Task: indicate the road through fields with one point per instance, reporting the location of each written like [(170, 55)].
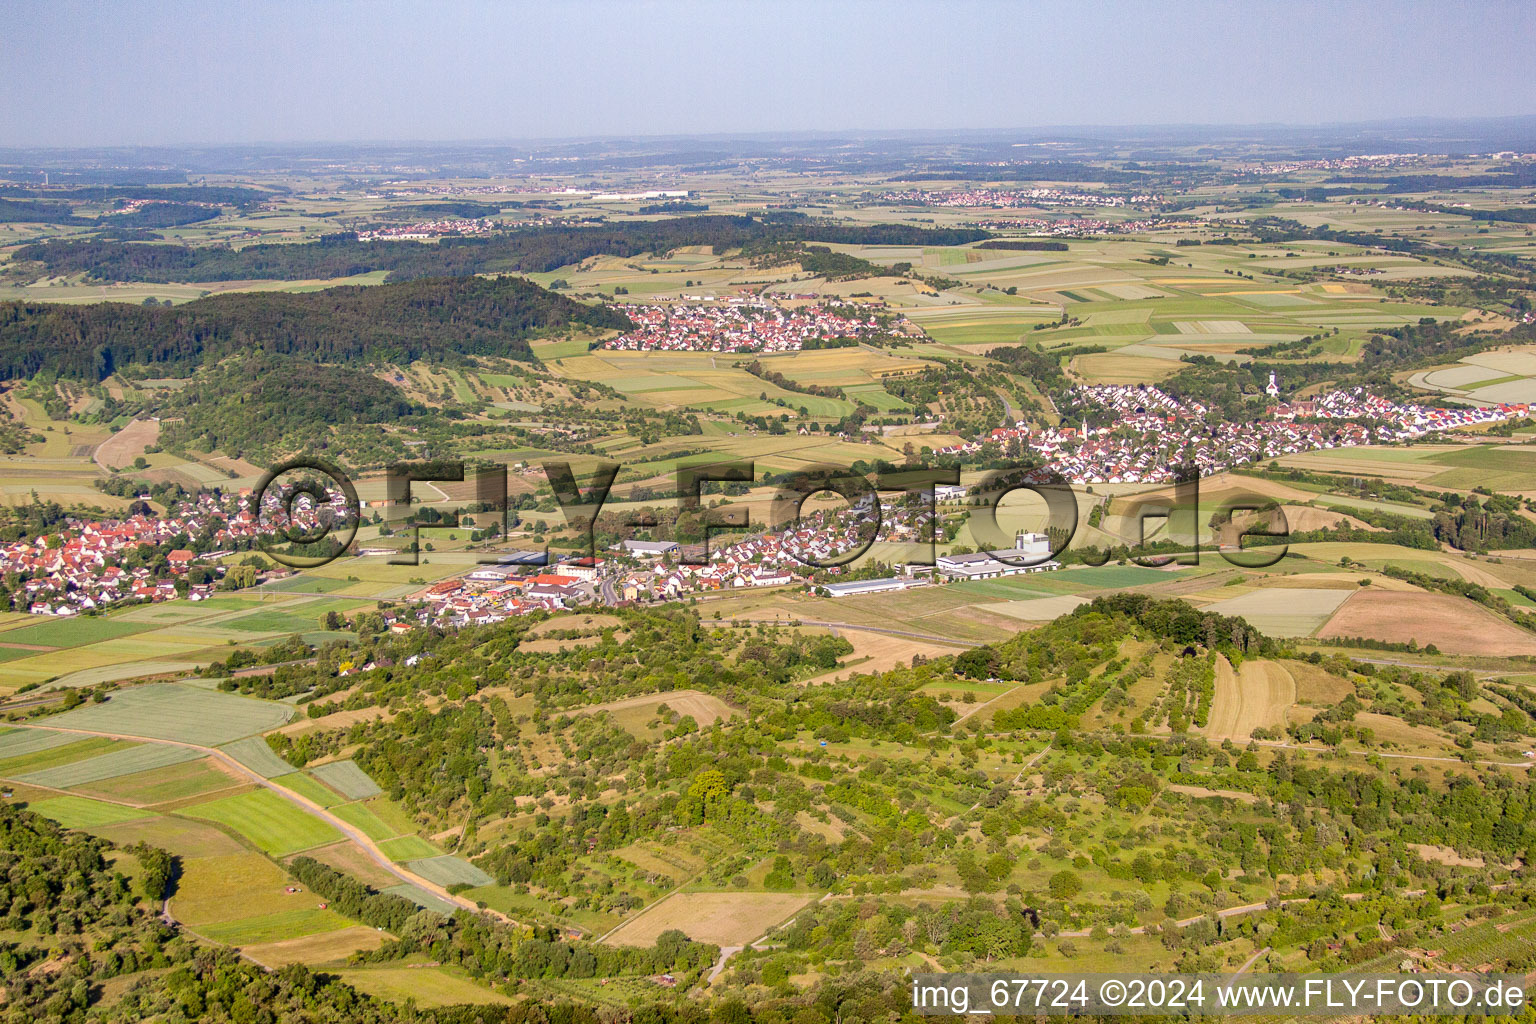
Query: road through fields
[(367, 845)]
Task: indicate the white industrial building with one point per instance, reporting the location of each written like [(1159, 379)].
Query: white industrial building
[(1033, 548)]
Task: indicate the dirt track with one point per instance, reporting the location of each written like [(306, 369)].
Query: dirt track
[(367, 845)]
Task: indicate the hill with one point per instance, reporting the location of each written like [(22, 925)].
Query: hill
[(527, 251), (431, 318)]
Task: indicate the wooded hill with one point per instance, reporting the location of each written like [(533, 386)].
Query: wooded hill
[(400, 323), (265, 405), (527, 251)]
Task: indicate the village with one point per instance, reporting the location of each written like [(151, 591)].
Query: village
[(1145, 437), (426, 229), (1013, 198), (1149, 434), (739, 324)]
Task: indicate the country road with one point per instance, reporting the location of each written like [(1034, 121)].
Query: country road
[(362, 841)]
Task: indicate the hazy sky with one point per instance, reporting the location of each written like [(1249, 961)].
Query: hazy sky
[(123, 72)]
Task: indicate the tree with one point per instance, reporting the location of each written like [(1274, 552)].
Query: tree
[(1064, 885)]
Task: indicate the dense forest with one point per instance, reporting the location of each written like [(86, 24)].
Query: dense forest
[(421, 319), (264, 405), (527, 251)]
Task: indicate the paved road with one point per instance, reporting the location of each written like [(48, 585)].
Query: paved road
[(362, 841)]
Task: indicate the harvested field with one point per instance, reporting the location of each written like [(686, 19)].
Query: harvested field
[(1453, 624), (1287, 612), (633, 713), (1315, 685), (1040, 609), (724, 918), (1257, 695), (119, 450), (877, 652), (325, 947)]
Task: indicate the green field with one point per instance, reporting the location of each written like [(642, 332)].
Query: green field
[(346, 778), (130, 761), (408, 848), (449, 870), (285, 924), (307, 787), (185, 714), (20, 742), (79, 812), (272, 824), (360, 817), (255, 754), (427, 987), (74, 632), (422, 898)]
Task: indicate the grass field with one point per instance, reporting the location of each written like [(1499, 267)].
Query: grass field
[(359, 816), (19, 743), (168, 711), (79, 812), (127, 761), (74, 632), (448, 870), (428, 987), (347, 779), (408, 848), (162, 785), (633, 714), (320, 948), (305, 786), (255, 754), (271, 823), (422, 898)]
